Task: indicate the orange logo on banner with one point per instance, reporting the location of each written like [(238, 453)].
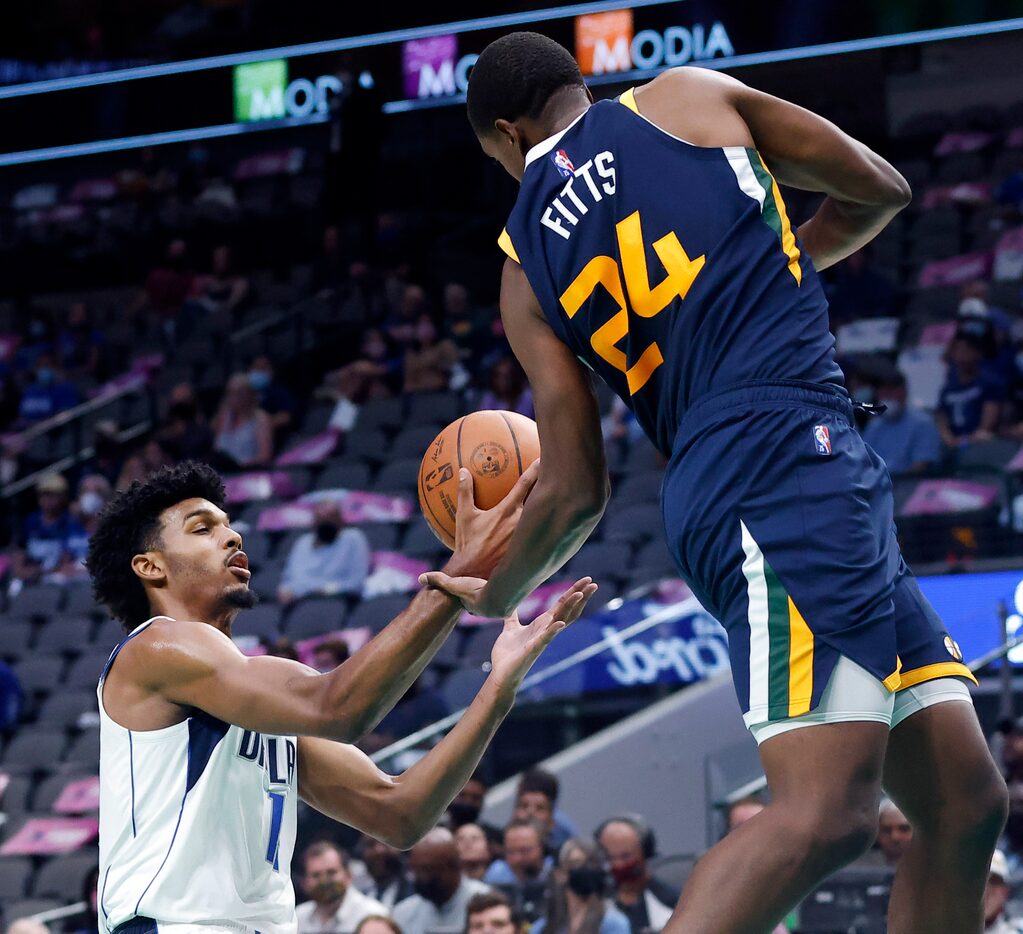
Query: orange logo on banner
[(603, 42)]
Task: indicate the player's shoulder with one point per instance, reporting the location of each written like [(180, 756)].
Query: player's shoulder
[(689, 78), (167, 646)]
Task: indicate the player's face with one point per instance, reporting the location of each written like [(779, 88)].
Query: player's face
[(203, 554), (503, 147)]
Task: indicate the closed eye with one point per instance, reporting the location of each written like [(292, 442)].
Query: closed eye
[(201, 528)]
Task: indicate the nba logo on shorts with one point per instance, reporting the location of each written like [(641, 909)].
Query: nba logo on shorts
[(822, 438), (563, 163)]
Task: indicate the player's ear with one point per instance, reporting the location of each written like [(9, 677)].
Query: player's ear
[(148, 567), (508, 132)]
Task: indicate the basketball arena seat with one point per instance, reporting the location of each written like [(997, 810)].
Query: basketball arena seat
[(84, 749), (420, 542), (62, 709), (460, 687), (398, 476), (377, 612), (370, 445), (263, 621), (315, 615), (601, 560), (436, 409), (411, 443), (342, 475), (85, 671), (63, 875), (63, 633), (34, 748), (15, 873), (36, 601), (39, 673), (17, 636)]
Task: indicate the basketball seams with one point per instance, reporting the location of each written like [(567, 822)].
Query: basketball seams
[(515, 441), (458, 441), (424, 503)]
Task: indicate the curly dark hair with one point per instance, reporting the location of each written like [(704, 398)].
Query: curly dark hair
[(130, 524)]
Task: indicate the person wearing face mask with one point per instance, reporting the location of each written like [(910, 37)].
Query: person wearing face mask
[(329, 560), (442, 895), (274, 399), (429, 362), (646, 901), (578, 902), (335, 906), (906, 439), (93, 492), (47, 394)]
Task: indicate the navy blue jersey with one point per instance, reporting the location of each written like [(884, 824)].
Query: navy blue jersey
[(671, 270)]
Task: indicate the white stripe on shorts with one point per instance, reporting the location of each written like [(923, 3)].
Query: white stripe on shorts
[(759, 633)]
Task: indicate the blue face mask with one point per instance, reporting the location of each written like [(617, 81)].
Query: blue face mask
[(259, 380), (44, 375)]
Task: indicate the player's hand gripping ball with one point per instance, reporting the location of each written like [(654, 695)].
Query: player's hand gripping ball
[(495, 446)]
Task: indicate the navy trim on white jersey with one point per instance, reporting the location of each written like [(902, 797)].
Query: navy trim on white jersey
[(131, 770)]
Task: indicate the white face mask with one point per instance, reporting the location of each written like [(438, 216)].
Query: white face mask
[(90, 502)]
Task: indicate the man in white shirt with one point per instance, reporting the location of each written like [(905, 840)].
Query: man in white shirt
[(443, 892), (996, 896), (335, 906)]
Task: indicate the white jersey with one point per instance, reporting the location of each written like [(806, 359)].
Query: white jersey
[(197, 824)]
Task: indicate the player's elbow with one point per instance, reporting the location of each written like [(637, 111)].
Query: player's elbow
[(891, 190)]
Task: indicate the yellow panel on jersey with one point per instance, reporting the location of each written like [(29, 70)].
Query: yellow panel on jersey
[(628, 98), (504, 242), (800, 663)]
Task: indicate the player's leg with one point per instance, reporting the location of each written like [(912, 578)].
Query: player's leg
[(825, 783), (940, 773)]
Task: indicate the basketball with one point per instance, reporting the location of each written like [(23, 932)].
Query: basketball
[(496, 447)]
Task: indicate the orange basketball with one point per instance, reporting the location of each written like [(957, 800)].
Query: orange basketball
[(496, 447)]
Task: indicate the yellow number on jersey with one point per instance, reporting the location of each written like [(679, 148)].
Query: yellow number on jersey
[(680, 272)]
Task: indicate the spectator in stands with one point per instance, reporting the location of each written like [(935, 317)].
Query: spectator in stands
[(646, 901), (330, 654), (167, 288), (490, 913), (47, 394), (375, 374), (275, 399), (282, 647), (10, 460), (12, 700), (536, 798), (429, 362), (37, 337), (108, 454), (894, 832), (996, 898), (509, 389), (53, 544), (377, 924), (524, 860), (331, 559), (243, 432), (330, 269), (153, 455), (577, 902), (79, 343), (27, 926), (186, 433), (385, 866), (217, 201), (401, 325), (442, 891), (467, 327), (223, 291), (969, 407), (335, 905), (906, 439), (473, 850), (93, 493), (468, 803), (858, 291)]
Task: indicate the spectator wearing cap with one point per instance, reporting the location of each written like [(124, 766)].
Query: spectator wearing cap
[(907, 440), (996, 898), (524, 859), (645, 900), (578, 902), (536, 799), (53, 543), (490, 913), (442, 890), (335, 906), (331, 559), (970, 404)]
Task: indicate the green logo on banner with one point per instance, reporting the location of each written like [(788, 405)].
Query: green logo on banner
[(259, 90)]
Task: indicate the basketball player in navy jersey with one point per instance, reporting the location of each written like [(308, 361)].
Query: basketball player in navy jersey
[(204, 751), (650, 244)]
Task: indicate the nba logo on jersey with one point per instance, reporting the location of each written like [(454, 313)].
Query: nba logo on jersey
[(822, 438), (563, 164)]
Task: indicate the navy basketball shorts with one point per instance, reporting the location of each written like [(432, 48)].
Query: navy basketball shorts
[(781, 519)]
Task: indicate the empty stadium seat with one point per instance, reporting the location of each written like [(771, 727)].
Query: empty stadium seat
[(84, 749), (638, 524), (420, 542), (263, 621), (399, 476), (377, 612), (601, 560), (460, 687), (64, 634), (35, 748), (366, 445), (85, 671), (80, 602), (63, 876), (28, 906), (39, 673), (15, 638), (15, 800), (344, 476), (40, 601), (382, 536), (63, 708), (15, 872), (380, 413), (316, 615), (435, 408), (413, 441)]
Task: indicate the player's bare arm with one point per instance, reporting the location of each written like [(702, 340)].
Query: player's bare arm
[(176, 665), (572, 488), (343, 783), (802, 150)]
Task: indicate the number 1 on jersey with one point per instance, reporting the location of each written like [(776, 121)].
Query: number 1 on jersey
[(647, 302), (276, 819)]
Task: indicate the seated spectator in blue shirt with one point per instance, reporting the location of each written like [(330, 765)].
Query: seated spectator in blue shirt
[(329, 560), (905, 438), (12, 699), (47, 394), (524, 859), (52, 541), (276, 400), (579, 895), (536, 799), (970, 404)]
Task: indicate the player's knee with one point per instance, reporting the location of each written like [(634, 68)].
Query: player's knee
[(833, 837), (988, 807)]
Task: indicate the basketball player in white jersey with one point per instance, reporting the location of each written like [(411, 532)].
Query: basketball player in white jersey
[(204, 751)]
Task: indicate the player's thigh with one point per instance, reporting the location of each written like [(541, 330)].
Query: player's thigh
[(939, 769)]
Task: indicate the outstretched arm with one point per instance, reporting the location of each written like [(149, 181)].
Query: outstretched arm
[(195, 665), (572, 487), (343, 783)]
